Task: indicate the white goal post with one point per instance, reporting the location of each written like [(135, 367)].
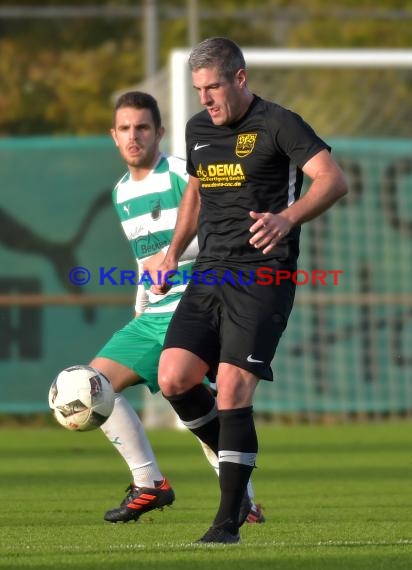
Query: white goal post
[(180, 99)]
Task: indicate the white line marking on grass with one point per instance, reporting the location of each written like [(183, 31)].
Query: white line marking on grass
[(179, 546), (284, 544)]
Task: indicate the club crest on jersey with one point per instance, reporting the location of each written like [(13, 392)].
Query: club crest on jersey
[(156, 209), (245, 144)]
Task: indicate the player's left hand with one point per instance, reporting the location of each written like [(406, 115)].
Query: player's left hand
[(268, 230)]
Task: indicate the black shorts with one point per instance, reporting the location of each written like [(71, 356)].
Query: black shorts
[(231, 322)]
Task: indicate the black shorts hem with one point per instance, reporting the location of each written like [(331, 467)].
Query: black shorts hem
[(261, 372)]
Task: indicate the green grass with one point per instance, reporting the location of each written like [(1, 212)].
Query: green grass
[(337, 497)]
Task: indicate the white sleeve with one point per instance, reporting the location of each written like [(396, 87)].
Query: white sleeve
[(189, 253), (142, 300)]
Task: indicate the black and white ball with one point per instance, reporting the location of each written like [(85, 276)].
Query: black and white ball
[(81, 398)]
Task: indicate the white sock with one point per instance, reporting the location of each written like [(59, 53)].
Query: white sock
[(214, 462), (250, 491), (125, 431)]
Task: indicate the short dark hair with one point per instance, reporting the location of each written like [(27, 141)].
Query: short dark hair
[(140, 100), (222, 53)]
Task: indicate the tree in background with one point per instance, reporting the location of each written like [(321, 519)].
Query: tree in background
[(57, 75)]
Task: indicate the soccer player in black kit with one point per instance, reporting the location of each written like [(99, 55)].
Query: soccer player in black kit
[(246, 158)]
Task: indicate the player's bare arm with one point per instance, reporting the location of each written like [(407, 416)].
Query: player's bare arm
[(328, 185), (184, 232)]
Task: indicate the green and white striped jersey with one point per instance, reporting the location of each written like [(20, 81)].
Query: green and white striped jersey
[(148, 210)]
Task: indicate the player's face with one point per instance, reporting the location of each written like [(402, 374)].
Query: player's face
[(137, 138), (225, 101)]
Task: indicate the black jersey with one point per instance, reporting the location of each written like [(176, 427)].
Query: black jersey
[(253, 164)]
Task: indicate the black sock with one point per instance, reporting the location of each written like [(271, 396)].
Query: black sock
[(238, 447), (197, 410)]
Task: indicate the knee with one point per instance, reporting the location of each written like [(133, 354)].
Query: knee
[(171, 380), (167, 375), (236, 387), (119, 375), (178, 372), (165, 382)]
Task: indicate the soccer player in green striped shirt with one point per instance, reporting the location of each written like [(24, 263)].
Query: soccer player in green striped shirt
[(146, 200)]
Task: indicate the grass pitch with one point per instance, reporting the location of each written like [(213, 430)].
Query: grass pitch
[(335, 498)]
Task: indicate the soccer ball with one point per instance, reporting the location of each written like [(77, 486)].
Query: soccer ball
[(81, 398)]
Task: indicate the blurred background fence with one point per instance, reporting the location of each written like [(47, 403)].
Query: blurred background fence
[(347, 349)]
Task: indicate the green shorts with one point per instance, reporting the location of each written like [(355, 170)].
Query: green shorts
[(138, 346)]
